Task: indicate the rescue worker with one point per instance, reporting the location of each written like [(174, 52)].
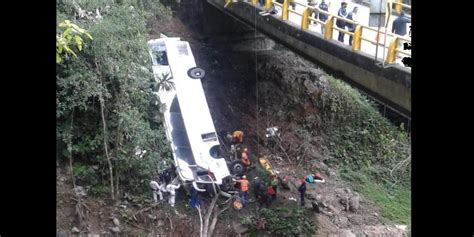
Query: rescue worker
[(256, 187), (238, 136), (340, 23), (245, 158), (156, 189), (302, 190), (172, 190), (262, 195), (274, 183), (271, 194), (244, 188)]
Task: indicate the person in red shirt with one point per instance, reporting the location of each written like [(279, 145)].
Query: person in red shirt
[(271, 195)]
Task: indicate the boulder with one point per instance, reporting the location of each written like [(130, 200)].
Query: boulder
[(354, 203)]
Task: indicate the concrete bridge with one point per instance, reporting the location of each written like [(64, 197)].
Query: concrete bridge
[(361, 65)]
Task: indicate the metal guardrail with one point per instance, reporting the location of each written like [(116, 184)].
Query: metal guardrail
[(328, 25)]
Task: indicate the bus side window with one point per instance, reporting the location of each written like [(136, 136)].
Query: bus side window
[(162, 58)]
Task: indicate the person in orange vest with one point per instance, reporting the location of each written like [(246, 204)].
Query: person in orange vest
[(245, 157), (238, 136), (244, 188)]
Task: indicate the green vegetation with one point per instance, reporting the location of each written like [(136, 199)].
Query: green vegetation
[(372, 153), (291, 220), (107, 124), (69, 39), (395, 202)]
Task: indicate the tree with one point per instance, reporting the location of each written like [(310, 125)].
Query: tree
[(100, 90), (69, 39)]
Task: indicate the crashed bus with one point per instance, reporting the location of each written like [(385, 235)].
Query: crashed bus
[(188, 123)]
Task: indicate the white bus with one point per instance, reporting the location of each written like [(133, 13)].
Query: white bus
[(188, 122)]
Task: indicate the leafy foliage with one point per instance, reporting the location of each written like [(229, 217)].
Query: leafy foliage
[(371, 153), (395, 202), (68, 39), (112, 69), (357, 136), (291, 220)]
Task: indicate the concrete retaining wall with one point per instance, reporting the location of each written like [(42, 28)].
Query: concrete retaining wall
[(390, 85)]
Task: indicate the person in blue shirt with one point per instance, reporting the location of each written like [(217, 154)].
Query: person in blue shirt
[(340, 23), (399, 26), (323, 17)]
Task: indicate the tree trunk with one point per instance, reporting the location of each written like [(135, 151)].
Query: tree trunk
[(112, 192), (208, 215), (69, 148), (117, 149), (214, 220), (104, 129), (117, 193)]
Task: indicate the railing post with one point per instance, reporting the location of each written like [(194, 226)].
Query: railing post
[(304, 19), (254, 2), (285, 13), (398, 7), (357, 38), (391, 54), (328, 28), (268, 4)]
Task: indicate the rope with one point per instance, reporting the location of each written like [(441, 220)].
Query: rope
[(256, 77)]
